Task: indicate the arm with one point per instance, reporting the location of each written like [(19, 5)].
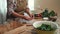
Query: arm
[(18, 15), (21, 16), (27, 11)]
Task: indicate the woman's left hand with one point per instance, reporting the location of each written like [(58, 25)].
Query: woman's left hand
[(32, 16)]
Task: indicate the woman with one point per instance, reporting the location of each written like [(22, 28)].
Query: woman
[(14, 7)]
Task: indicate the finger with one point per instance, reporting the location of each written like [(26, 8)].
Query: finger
[(30, 19)]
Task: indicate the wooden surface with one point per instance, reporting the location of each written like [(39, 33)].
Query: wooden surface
[(9, 26), (25, 29), (17, 28)]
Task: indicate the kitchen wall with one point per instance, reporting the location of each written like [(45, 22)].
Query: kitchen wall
[(50, 4)]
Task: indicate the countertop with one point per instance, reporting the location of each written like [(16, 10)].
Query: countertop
[(26, 29), (21, 30)]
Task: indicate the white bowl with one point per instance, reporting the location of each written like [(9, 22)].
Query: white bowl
[(39, 23)]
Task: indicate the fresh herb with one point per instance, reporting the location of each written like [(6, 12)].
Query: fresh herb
[(52, 13), (45, 27), (45, 13)]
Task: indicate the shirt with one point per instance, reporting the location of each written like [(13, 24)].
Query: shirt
[(11, 5)]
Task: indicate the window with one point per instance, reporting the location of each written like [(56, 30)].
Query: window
[(31, 4)]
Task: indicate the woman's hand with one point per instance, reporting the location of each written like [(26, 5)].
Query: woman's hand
[(32, 16), (28, 18)]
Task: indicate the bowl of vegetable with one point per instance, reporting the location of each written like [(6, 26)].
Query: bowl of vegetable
[(45, 27)]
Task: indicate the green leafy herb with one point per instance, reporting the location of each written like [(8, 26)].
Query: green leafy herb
[(52, 13), (45, 13), (45, 27)]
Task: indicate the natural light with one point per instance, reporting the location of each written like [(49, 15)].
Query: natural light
[(31, 4)]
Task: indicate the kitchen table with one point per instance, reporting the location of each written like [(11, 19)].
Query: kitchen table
[(25, 29)]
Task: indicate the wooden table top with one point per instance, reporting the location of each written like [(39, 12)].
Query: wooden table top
[(25, 29)]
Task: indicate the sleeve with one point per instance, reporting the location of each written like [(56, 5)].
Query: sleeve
[(10, 7), (10, 11)]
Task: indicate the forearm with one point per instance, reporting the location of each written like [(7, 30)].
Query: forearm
[(17, 15), (27, 11)]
